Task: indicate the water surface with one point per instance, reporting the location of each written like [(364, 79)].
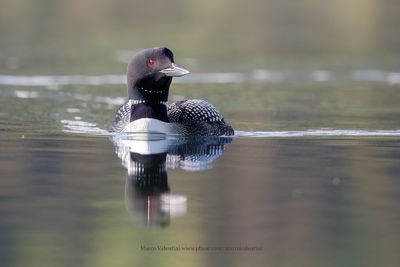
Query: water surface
[(292, 192)]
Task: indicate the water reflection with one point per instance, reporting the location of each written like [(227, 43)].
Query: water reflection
[(147, 158)]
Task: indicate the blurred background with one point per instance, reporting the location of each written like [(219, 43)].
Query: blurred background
[(75, 37)]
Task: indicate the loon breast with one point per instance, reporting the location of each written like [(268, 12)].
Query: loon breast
[(149, 125), (140, 117)]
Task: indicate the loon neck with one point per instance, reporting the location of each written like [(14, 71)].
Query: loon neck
[(137, 101), (148, 95)]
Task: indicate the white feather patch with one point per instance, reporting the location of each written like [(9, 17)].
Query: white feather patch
[(148, 125)]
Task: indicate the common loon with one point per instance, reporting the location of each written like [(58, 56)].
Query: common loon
[(149, 76)]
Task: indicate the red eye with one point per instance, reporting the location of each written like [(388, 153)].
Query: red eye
[(151, 63)]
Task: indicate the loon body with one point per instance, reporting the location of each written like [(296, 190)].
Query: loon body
[(149, 76)]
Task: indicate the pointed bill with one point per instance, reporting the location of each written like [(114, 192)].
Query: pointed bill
[(174, 71)]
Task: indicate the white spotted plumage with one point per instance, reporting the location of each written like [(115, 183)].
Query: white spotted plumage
[(189, 117)]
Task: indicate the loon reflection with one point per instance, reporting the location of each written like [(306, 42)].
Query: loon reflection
[(147, 158)]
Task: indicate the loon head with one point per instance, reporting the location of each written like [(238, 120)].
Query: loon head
[(150, 73)]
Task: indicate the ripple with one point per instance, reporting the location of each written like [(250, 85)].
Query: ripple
[(52, 81), (82, 127), (26, 94), (73, 110), (255, 76), (318, 133)]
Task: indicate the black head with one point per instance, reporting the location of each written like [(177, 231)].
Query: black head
[(150, 73)]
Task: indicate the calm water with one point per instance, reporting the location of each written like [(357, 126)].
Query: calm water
[(295, 194), (312, 177)]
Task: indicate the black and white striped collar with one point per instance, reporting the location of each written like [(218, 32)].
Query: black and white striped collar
[(136, 101)]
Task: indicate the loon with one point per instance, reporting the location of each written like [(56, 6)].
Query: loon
[(149, 76)]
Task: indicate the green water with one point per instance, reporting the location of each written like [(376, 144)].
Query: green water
[(280, 197)]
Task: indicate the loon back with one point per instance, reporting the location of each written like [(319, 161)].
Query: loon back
[(198, 117)]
